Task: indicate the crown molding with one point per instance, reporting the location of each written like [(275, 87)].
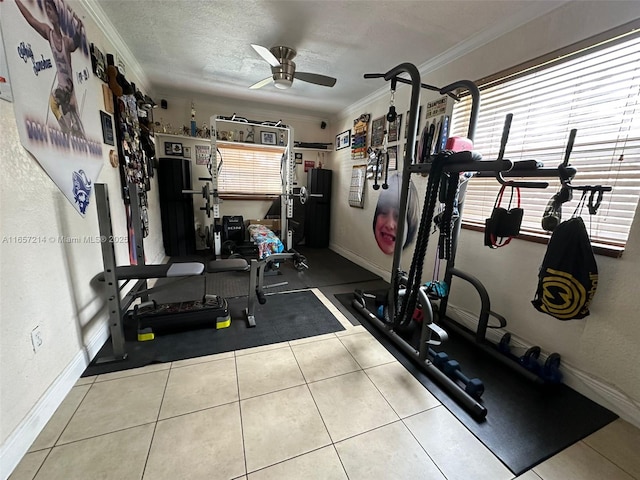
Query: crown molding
[(102, 21), (531, 12)]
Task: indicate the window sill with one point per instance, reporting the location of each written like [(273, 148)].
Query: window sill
[(613, 251)]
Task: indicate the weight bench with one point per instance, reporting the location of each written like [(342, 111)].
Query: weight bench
[(150, 314)]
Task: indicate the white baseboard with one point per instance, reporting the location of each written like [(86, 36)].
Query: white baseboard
[(18, 443), (362, 262), (593, 388)]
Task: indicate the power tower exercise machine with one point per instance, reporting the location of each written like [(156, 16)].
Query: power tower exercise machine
[(406, 291), (407, 294)]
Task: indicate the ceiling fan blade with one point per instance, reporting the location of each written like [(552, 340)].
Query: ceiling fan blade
[(315, 78), (261, 83), (266, 54)]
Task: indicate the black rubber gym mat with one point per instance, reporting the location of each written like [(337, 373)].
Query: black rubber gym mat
[(285, 317), (526, 422), (326, 267)]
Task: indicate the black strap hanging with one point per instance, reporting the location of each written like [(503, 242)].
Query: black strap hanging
[(580, 206), (504, 223), (594, 201)]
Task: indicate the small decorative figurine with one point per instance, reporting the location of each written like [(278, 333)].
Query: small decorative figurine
[(250, 133), (193, 119)]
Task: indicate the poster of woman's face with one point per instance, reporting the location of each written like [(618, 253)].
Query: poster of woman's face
[(387, 216)]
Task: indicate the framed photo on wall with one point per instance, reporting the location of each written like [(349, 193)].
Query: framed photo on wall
[(172, 148), (393, 157), (107, 128), (343, 140), (186, 152), (377, 131), (309, 164), (203, 152), (394, 128), (268, 138)]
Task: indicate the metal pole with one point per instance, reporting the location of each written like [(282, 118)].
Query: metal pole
[(111, 281)]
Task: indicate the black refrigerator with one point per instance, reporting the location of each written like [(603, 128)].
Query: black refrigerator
[(176, 208), (318, 215)]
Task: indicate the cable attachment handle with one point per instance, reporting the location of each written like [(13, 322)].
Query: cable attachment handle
[(392, 115)]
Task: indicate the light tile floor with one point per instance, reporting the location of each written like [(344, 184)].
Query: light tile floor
[(336, 406)]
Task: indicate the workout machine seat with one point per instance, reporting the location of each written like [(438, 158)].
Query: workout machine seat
[(228, 265)]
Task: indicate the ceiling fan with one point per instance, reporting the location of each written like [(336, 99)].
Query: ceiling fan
[(283, 69)]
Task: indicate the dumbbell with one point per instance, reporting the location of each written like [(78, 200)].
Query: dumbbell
[(503, 346), (551, 369), (438, 358), (530, 360), (473, 386)]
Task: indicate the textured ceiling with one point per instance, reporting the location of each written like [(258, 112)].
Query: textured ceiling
[(204, 47)]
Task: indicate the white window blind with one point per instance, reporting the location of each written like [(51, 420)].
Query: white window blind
[(249, 169), (597, 92)]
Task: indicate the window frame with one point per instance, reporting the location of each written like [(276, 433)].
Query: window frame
[(274, 156), (591, 45)]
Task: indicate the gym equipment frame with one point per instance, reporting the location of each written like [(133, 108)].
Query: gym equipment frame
[(400, 288), (287, 170), (408, 291), (113, 274)]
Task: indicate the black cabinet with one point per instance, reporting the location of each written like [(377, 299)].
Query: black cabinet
[(317, 222), (176, 208)]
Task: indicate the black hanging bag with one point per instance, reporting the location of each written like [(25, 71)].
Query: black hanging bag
[(504, 223), (568, 277)]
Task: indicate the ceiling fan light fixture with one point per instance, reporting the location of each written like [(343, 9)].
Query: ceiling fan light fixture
[(283, 69), (282, 83)]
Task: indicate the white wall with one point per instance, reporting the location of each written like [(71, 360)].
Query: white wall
[(600, 354), (48, 284)]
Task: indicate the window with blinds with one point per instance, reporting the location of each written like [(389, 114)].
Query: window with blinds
[(596, 91), (249, 170)]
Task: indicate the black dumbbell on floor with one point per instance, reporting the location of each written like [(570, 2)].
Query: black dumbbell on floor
[(551, 370), (473, 386), (530, 360), (439, 358)]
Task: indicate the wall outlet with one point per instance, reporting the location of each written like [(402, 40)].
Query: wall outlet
[(36, 338)]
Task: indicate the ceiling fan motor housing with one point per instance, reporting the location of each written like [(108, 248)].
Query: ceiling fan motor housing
[(283, 53), (283, 73)]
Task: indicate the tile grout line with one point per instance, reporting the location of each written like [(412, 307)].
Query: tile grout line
[(606, 458), (155, 424), (244, 447)]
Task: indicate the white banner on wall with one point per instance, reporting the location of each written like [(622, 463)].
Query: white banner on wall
[(5, 83), (55, 93)]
